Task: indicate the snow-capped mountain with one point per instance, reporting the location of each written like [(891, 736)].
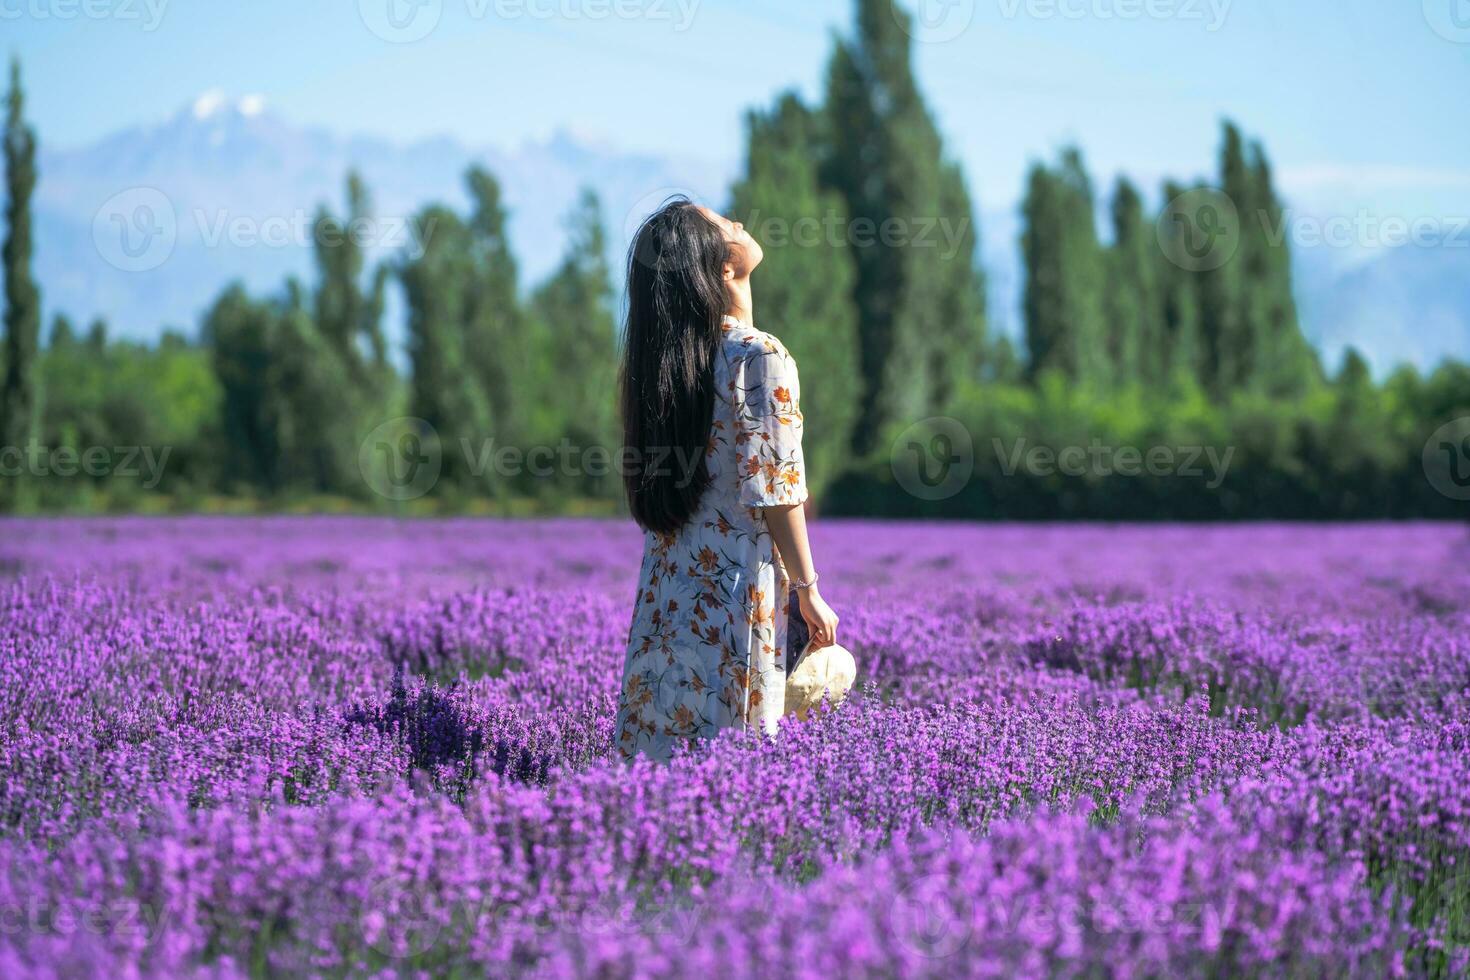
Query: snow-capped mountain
[(147, 225)]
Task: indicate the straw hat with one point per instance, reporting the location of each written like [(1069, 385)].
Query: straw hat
[(828, 671)]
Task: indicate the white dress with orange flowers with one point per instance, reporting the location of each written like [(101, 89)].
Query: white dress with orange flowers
[(709, 621)]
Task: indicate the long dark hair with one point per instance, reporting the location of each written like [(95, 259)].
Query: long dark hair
[(676, 300)]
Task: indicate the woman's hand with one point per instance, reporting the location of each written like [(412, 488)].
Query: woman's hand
[(820, 618)]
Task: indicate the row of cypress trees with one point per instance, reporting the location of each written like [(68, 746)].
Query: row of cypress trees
[(1138, 310)]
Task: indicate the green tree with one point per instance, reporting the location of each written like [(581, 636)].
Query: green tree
[(1135, 308), (320, 415), (240, 332), (1179, 301), (886, 162), (1063, 299), (1287, 364), (97, 334), (63, 334), (497, 340), (1248, 317), (445, 388), (1226, 326), (283, 387), (344, 320), (349, 317), (806, 281), (19, 399), (960, 347), (577, 361)]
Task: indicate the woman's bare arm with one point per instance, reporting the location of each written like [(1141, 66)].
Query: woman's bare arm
[(788, 530), (787, 525)]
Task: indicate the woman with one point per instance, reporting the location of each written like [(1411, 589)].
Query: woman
[(714, 475)]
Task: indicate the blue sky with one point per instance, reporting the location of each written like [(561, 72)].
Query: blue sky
[(1358, 101)]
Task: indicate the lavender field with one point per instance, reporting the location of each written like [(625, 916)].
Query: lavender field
[(334, 747)]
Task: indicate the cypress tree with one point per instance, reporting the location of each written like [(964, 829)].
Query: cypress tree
[(313, 381), (961, 344), (1227, 328), (18, 395), (574, 317), (1048, 343), (1063, 299), (806, 282), (496, 340), (63, 333), (345, 324), (240, 335), (1179, 300), (1248, 319), (97, 335), (1135, 307), (282, 387), (445, 389), (348, 317), (1288, 362), (885, 162)]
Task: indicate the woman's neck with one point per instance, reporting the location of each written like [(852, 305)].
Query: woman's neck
[(740, 302)]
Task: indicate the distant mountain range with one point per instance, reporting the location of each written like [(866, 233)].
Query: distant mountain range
[(147, 225)]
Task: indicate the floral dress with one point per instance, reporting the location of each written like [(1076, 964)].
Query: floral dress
[(704, 649)]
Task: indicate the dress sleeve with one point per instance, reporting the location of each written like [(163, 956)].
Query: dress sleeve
[(772, 468)]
